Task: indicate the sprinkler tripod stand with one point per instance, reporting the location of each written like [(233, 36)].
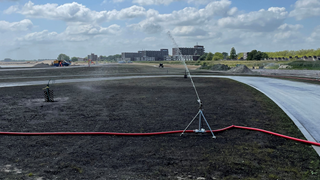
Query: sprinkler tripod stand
[(200, 113), (200, 130)]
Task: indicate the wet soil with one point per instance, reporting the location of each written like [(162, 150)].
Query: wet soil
[(148, 105)]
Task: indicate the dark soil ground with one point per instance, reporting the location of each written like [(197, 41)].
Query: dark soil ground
[(149, 105)]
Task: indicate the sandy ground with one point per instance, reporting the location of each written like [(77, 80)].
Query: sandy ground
[(23, 64)]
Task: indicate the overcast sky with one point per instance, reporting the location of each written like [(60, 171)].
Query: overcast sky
[(42, 29)]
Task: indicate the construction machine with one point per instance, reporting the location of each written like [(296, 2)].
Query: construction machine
[(60, 63)]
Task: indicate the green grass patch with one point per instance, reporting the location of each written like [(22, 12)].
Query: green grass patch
[(307, 65), (245, 62)]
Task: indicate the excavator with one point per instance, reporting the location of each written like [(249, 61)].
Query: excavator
[(60, 63)]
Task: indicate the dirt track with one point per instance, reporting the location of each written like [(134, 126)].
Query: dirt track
[(147, 105)]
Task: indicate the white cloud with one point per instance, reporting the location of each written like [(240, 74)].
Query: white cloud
[(262, 20), (290, 27), (167, 2), (114, 1), (315, 35), (190, 15), (199, 1), (117, 1), (188, 31), (217, 22), (151, 27), (289, 33), (74, 12), (89, 29), (75, 32), (153, 2), (23, 25), (149, 39), (306, 8), (232, 11), (146, 26), (40, 36)]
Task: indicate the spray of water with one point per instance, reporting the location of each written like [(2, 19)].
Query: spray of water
[(185, 65)]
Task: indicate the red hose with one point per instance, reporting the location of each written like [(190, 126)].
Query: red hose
[(280, 135), (154, 133)]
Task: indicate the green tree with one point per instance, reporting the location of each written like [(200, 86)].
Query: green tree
[(233, 53), (209, 56), (240, 55), (112, 57), (264, 55), (300, 53), (63, 57), (252, 54), (203, 57), (256, 55), (225, 55), (74, 59), (217, 56)]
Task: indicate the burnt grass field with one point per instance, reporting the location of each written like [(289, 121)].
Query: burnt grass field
[(149, 105)]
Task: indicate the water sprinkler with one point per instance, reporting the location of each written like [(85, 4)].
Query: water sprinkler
[(48, 94), (200, 111)]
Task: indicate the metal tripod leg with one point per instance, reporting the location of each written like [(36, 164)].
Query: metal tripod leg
[(189, 124), (200, 120), (200, 113), (207, 125)]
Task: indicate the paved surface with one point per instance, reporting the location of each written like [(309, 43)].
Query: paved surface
[(300, 101)]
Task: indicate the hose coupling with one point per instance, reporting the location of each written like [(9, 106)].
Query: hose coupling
[(199, 130)]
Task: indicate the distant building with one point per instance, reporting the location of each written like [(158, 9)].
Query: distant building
[(158, 55), (129, 55), (7, 60), (144, 59), (188, 53), (93, 57), (145, 55)]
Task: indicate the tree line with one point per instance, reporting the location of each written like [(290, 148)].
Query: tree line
[(258, 55), (219, 56), (299, 53)]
